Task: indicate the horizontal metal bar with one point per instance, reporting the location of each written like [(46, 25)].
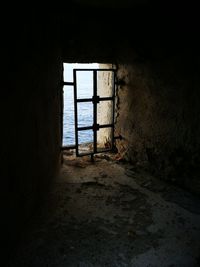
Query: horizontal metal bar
[(68, 147), (92, 127), (91, 99), (95, 70), (68, 83), (106, 126), (84, 100), (85, 128), (106, 98)]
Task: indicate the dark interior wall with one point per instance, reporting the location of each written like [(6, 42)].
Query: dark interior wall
[(146, 43), (156, 50), (159, 112), (159, 118), (30, 117)]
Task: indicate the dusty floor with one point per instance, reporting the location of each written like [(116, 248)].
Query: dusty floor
[(109, 214)]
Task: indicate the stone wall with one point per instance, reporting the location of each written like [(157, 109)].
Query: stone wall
[(157, 52), (104, 108), (158, 104), (159, 118)]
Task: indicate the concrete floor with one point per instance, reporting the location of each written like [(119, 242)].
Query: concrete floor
[(110, 214)]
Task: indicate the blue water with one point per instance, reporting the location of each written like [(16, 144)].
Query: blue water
[(85, 110)]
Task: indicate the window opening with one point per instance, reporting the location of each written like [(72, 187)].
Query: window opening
[(89, 104)]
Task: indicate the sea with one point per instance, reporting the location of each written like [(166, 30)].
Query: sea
[(85, 110)]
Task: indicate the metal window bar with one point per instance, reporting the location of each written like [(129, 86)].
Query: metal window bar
[(75, 111), (95, 100)]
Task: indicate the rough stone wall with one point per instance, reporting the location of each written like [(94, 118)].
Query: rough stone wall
[(104, 108), (159, 118), (158, 55), (30, 119), (158, 105)]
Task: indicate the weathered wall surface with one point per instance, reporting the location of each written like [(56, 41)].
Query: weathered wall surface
[(30, 119), (159, 118), (158, 105), (158, 57), (104, 108)]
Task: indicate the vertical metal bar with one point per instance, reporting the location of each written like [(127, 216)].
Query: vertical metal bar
[(61, 95), (75, 112), (61, 112), (113, 110), (95, 110)]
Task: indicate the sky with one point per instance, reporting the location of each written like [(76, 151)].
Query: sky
[(68, 69)]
